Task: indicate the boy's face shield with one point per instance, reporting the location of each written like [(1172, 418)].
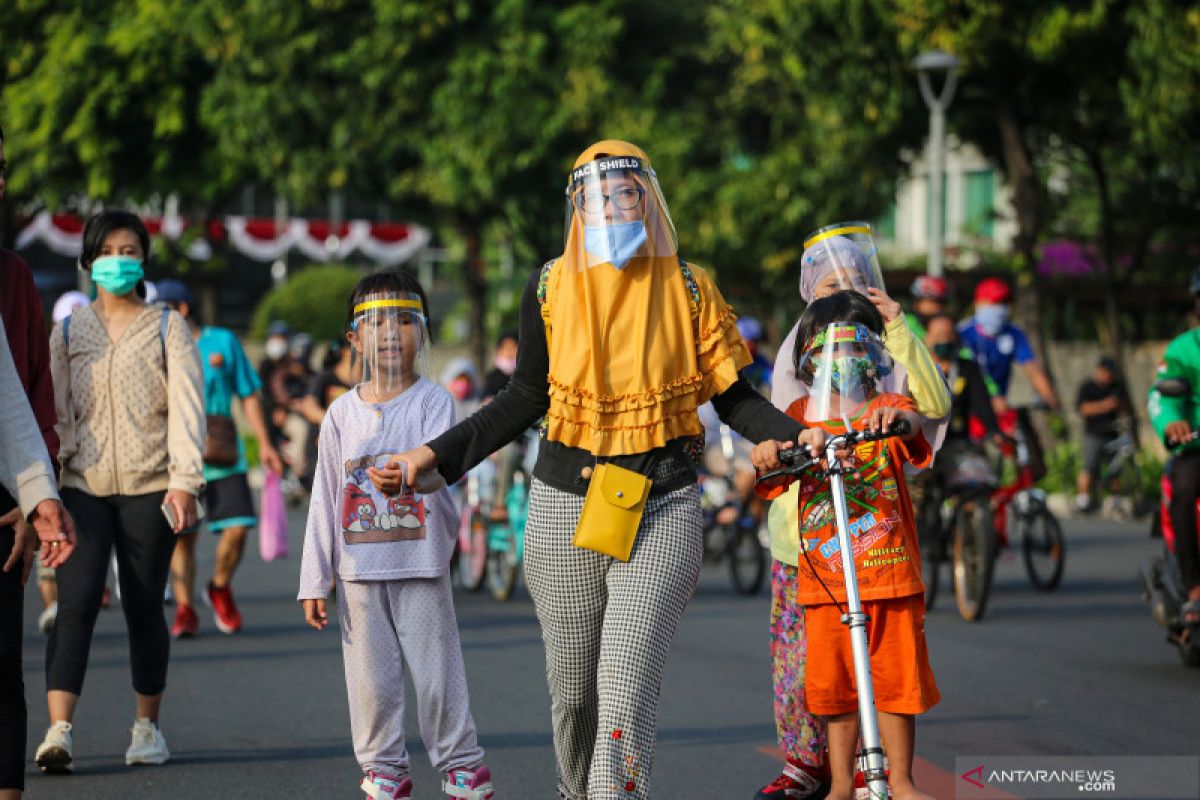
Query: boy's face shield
[(839, 257), (615, 212), (390, 336), (842, 366)]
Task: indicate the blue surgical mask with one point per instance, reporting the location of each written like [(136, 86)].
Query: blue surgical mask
[(615, 243), (991, 319), (117, 275)]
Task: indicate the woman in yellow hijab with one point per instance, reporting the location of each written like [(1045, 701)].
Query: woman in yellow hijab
[(621, 342)]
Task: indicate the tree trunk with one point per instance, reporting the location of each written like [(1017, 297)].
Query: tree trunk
[(1027, 203), (1108, 269), (475, 277)]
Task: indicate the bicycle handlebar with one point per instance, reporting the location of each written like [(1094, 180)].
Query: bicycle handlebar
[(797, 459)]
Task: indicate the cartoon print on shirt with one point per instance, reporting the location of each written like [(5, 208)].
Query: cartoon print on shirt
[(358, 509), (369, 517)]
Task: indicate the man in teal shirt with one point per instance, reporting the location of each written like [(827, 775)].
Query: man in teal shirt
[(1175, 418), (227, 374)]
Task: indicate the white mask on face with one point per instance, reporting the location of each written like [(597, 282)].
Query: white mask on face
[(275, 348)]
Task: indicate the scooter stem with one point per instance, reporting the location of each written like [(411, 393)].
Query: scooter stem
[(856, 620)]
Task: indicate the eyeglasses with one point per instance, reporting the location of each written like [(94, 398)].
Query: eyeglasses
[(626, 198)]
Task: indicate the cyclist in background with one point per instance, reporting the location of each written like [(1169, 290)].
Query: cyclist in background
[(930, 297), (996, 344), (1099, 402)]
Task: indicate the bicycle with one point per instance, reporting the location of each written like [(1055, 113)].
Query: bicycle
[(955, 525), (1043, 547), (729, 531), (506, 536), (1122, 475), (471, 552)]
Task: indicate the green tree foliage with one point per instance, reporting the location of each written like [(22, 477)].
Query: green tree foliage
[(103, 98), (313, 300), (765, 118)]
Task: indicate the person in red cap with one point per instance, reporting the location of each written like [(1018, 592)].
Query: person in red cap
[(997, 344)]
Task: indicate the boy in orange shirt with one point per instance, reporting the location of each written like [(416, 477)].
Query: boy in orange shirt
[(841, 360)]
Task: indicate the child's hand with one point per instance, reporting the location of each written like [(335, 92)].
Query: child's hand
[(401, 468), (814, 439), (314, 613), (889, 309), (765, 455), (884, 418)]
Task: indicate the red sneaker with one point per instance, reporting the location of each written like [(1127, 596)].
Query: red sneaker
[(797, 782), (186, 622), (225, 611)]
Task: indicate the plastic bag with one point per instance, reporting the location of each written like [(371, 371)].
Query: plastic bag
[(272, 526)]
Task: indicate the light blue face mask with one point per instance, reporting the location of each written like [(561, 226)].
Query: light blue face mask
[(616, 243), (117, 275), (991, 319)]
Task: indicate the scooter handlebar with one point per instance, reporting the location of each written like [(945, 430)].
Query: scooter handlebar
[(899, 427), (795, 459)]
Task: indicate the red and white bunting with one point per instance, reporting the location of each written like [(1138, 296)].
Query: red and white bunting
[(385, 243)]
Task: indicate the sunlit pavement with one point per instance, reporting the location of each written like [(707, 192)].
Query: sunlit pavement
[(263, 714)]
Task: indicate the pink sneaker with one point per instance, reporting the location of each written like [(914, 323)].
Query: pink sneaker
[(385, 787), (469, 784)]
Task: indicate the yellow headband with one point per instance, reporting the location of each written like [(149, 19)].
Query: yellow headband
[(820, 237), (410, 303)]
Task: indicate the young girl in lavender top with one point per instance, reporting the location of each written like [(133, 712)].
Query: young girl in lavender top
[(390, 554)]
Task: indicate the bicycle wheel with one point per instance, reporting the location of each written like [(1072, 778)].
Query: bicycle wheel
[(1133, 490), (933, 549), (747, 561), (1043, 548), (973, 559), (472, 560), (502, 567)]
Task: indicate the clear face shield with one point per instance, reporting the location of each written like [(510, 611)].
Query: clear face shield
[(839, 257), (390, 334), (842, 367), (615, 212)]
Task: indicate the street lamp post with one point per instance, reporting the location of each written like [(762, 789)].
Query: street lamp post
[(928, 63)]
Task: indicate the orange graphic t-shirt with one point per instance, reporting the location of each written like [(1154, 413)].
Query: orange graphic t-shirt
[(886, 554)]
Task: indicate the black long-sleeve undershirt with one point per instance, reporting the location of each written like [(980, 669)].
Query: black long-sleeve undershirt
[(527, 398)]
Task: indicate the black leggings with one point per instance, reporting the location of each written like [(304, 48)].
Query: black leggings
[(1185, 488), (12, 685), (144, 543)]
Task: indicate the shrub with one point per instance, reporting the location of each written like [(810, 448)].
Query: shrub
[(313, 301)]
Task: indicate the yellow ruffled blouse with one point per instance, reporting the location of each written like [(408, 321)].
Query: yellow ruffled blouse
[(635, 352)]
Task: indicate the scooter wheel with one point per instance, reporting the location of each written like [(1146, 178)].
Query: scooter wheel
[(1189, 653)]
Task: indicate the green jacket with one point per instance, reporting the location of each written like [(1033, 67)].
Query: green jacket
[(1182, 360)]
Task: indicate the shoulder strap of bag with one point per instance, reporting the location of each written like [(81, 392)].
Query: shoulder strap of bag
[(67, 333), (543, 289), (162, 333)]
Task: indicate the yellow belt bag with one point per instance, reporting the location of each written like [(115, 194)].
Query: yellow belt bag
[(612, 511)]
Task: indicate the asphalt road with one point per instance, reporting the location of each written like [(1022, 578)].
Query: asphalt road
[(263, 713)]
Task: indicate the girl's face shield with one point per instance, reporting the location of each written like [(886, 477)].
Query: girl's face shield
[(837, 258), (842, 366), (391, 339)]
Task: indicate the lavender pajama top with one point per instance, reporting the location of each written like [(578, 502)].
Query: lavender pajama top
[(354, 532)]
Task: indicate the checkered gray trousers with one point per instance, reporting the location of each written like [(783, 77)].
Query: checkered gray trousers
[(608, 626)]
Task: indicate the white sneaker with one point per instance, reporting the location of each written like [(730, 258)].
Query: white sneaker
[(54, 753), (148, 745), (47, 617)]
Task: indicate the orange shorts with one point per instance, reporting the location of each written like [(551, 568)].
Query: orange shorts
[(900, 670)]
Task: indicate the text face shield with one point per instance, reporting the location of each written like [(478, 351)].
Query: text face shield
[(839, 257), (842, 366), (616, 212), (391, 338)]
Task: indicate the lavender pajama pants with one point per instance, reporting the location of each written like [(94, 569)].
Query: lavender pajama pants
[(386, 624)]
